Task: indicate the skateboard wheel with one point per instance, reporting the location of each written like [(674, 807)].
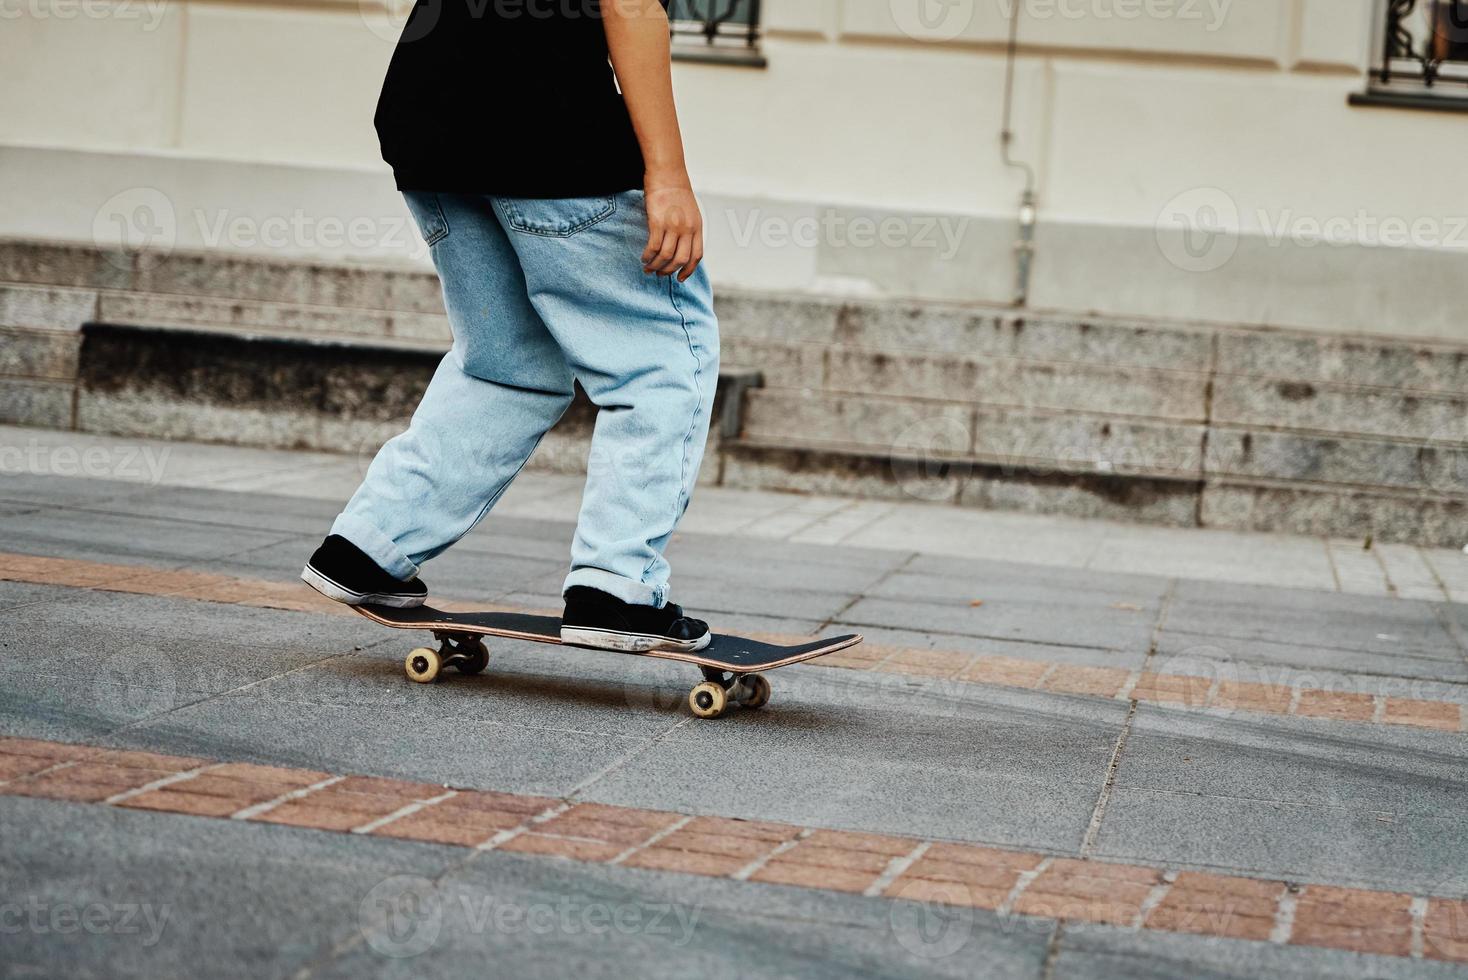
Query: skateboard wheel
[(708, 700), (423, 665), (473, 657), (759, 691)]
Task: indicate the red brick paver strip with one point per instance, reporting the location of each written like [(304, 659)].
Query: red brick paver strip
[(1174, 690), (900, 868)]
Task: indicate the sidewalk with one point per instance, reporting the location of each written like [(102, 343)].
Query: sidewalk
[(1330, 565), (1068, 749)]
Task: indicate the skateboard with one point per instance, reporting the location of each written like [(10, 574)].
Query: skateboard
[(730, 664)]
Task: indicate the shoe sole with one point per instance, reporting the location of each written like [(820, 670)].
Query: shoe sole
[(630, 642), (336, 591)]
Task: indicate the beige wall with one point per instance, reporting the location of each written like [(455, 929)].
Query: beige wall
[(1135, 114)]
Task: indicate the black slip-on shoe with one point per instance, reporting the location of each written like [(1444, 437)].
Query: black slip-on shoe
[(595, 619), (340, 570)]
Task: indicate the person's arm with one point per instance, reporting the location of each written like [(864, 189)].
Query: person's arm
[(637, 35)]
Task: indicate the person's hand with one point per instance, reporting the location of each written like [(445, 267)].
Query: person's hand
[(675, 228)]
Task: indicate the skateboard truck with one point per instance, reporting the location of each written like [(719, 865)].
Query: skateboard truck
[(465, 652), (721, 688)]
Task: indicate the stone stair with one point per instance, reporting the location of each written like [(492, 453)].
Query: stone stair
[(1173, 423)]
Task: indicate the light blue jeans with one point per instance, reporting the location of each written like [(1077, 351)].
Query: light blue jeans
[(540, 292)]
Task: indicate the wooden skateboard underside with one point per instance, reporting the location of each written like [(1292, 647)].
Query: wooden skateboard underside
[(731, 653)]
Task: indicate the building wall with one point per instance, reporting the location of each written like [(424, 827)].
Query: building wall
[(863, 160)]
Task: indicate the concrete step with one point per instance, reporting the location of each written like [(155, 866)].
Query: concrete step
[(284, 392), (1296, 507), (1076, 442), (1104, 416)]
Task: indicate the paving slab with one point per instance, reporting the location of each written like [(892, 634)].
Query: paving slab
[(1284, 798), (184, 897), (1320, 661), (916, 639), (330, 903), (1314, 619), (1112, 954), (842, 752), (1038, 620), (79, 664)]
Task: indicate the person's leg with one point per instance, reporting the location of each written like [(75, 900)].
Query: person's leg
[(504, 383), (646, 350)]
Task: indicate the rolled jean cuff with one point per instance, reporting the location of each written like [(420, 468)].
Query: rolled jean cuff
[(628, 590), (378, 546)]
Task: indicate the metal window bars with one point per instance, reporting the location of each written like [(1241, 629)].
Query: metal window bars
[(717, 30), (1422, 47)]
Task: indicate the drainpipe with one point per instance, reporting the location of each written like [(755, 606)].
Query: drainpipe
[(1024, 245)]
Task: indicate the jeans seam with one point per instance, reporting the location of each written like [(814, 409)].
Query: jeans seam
[(697, 408), (443, 223), (518, 223)]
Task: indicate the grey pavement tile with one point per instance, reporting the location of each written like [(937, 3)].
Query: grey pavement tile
[(1079, 656), (321, 901), (210, 897), (1388, 769), (680, 926), (1315, 619), (124, 539), (888, 754), (1308, 659), (260, 511), (415, 741), (46, 490), (1287, 797), (457, 574), (82, 664), (1454, 617), (776, 569), (1003, 579), (1034, 621), (1115, 954), (1293, 667), (1297, 842), (24, 593), (721, 550), (709, 595)]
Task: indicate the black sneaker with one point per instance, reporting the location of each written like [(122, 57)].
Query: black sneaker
[(595, 619), (340, 570)]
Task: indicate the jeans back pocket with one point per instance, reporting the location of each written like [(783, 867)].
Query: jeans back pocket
[(555, 217)]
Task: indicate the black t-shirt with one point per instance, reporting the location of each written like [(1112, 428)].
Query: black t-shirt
[(512, 97)]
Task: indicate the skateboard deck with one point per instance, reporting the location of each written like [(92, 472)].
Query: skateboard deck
[(730, 664)]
